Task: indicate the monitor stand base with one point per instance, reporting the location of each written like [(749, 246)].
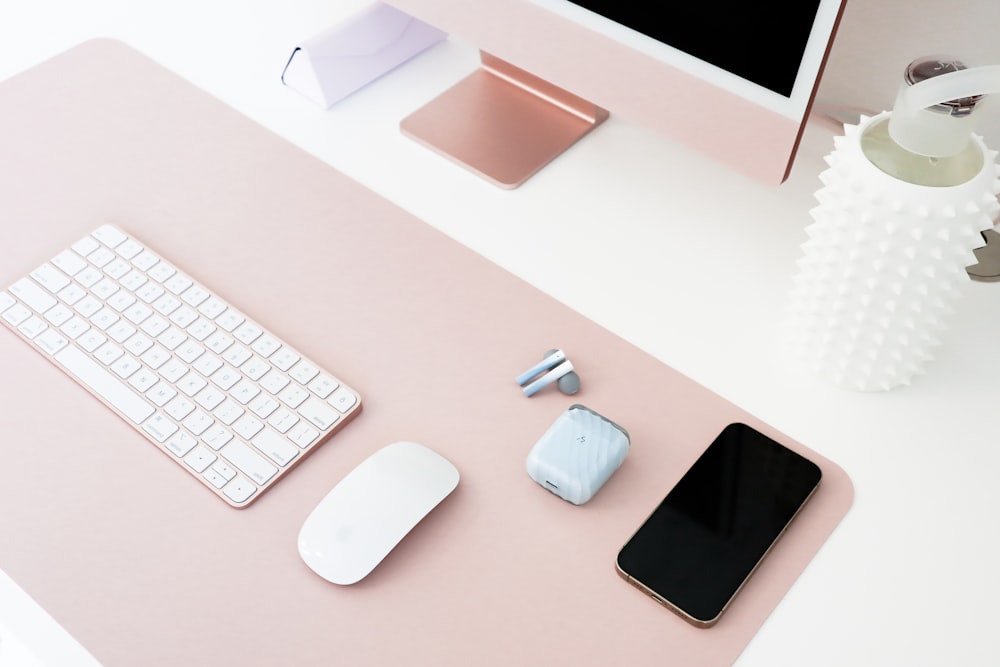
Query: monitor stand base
[(502, 122)]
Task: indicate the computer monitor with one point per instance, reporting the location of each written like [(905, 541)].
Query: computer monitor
[(732, 79)]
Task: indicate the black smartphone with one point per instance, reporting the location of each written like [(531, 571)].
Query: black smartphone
[(701, 544)]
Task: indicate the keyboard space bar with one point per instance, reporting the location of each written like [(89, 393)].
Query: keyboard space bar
[(104, 384)]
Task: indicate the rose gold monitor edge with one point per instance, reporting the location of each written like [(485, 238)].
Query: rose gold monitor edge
[(609, 75)]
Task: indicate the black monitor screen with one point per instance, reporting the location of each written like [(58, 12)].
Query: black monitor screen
[(762, 42)]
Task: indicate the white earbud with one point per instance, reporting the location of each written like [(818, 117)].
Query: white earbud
[(556, 368)]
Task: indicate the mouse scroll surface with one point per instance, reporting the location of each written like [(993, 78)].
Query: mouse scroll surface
[(370, 510)]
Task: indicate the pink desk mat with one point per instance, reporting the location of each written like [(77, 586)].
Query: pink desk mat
[(145, 567)]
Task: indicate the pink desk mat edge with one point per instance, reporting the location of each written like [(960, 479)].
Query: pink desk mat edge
[(144, 567)]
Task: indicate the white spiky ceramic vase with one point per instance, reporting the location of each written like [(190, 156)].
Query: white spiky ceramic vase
[(884, 265)]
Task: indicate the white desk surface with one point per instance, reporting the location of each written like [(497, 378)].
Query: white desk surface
[(685, 260)]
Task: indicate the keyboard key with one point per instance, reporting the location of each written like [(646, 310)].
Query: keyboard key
[(245, 391), (247, 427), (218, 342), (32, 326), (154, 325), (105, 288), (75, 327), (32, 295), (172, 338), (225, 471), (191, 383), (100, 257), (343, 399), (207, 365), (138, 344), (200, 458), (155, 357), (138, 313), (214, 478), (228, 412), (229, 321), (249, 462), (109, 236), (166, 304), (179, 408), (237, 355), (303, 435), (149, 292), (212, 308), (210, 398), (183, 317), (216, 436), (239, 490), (177, 284), (247, 333), (104, 318), (133, 280), (104, 384), (69, 262), (197, 422), (145, 260), (194, 295), (255, 368), (85, 246), (201, 329), (160, 394), (303, 372), (189, 351), (51, 341), (293, 396), (58, 315), (160, 427), (125, 367), (90, 340), (87, 306), (121, 301), (323, 386), (161, 272), (180, 444), (120, 331), (72, 293), (284, 359), (143, 380), (89, 276), (16, 314), (263, 406), (265, 346), (275, 447), (274, 382), (129, 249), (117, 268), (320, 414), (50, 278), (282, 420), (108, 353), (172, 371)]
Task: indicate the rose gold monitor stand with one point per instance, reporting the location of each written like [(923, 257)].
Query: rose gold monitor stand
[(502, 122)]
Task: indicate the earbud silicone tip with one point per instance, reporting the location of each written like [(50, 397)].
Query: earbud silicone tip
[(569, 384)]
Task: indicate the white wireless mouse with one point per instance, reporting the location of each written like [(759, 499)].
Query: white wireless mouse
[(368, 512)]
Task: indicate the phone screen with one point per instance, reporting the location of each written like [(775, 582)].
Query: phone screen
[(704, 540)]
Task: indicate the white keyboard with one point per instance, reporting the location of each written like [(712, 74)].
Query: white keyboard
[(228, 401)]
